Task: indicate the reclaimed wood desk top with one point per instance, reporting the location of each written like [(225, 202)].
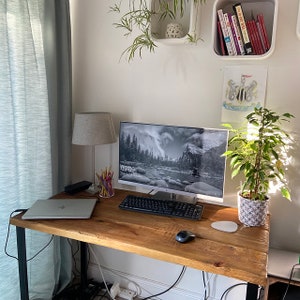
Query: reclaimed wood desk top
[(241, 255)]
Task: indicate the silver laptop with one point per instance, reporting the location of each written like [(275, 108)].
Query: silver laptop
[(61, 209)]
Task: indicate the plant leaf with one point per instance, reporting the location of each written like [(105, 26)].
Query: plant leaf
[(285, 193)]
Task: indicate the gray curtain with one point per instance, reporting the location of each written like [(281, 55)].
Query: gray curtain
[(57, 45)]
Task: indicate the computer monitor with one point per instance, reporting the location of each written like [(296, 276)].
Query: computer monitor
[(178, 160)]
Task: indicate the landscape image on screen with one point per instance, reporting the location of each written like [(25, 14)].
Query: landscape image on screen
[(183, 159)]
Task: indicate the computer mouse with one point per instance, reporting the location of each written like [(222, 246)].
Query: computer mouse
[(184, 236)]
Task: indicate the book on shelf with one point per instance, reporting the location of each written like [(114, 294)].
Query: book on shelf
[(237, 35), (261, 21), (230, 33), (254, 37), (261, 36), (243, 27), (235, 41), (258, 40), (227, 39), (221, 39)]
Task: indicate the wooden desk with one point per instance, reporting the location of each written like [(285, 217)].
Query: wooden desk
[(241, 255)]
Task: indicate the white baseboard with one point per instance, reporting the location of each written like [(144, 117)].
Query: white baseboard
[(146, 286)]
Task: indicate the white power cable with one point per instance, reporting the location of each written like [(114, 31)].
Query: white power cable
[(206, 284), (100, 270), (120, 274)]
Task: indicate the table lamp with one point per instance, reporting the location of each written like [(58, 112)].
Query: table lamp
[(91, 129)]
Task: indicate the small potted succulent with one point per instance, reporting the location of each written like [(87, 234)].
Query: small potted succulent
[(256, 151)]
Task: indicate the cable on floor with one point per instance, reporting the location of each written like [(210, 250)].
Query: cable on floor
[(290, 280)]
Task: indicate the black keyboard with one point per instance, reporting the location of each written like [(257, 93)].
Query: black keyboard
[(170, 208)]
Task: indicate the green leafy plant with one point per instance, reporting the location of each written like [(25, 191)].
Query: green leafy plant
[(257, 151), (137, 20)]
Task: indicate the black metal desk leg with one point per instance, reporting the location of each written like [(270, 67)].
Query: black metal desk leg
[(22, 261), (83, 268), (252, 291)]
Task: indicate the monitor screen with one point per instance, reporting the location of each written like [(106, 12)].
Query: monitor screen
[(174, 159)]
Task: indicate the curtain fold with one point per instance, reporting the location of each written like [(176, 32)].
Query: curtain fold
[(57, 44), (35, 133)]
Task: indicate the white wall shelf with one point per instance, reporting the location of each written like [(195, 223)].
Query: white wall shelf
[(269, 8), (189, 22)]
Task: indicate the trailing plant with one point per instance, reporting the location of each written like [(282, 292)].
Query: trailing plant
[(138, 19), (257, 152)]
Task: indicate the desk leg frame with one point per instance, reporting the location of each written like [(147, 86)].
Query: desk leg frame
[(83, 267), (252, 291), (22, 262)]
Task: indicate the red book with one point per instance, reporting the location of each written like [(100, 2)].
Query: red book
[(251, 37), (256, 37), (261, 36), (260, 19)]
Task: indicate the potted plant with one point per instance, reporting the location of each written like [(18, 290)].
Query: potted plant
[(257, 151), (137, 20)]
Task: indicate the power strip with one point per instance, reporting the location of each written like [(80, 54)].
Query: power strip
[(125, 294), (119, 293)]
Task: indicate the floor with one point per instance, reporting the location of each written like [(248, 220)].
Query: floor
[(277, 291), (93, 291)]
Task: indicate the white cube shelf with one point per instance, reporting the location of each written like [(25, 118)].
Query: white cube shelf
[(269, 8), (189, 22)]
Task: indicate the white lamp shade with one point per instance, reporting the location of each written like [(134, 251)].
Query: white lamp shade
[(93, 128)]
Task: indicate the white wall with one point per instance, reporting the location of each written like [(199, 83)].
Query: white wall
[(177, 85)]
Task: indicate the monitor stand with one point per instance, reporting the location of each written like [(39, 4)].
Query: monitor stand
[(173, 196)]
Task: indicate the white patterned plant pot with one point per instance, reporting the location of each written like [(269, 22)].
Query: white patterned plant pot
[(252, 212)]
